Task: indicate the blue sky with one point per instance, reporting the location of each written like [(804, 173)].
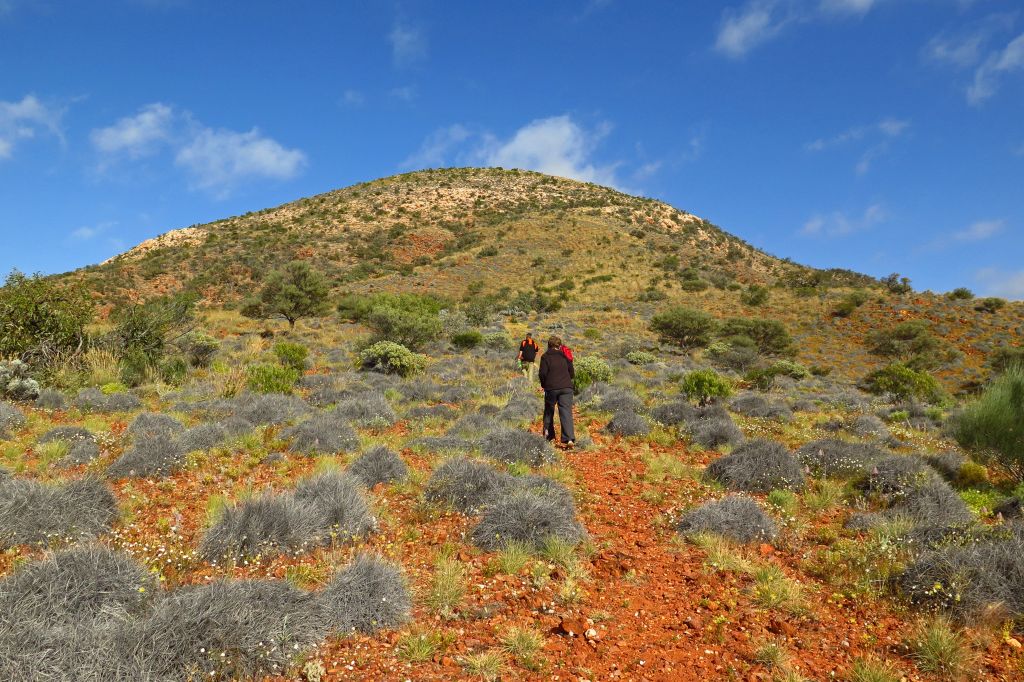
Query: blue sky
[(876, 135)]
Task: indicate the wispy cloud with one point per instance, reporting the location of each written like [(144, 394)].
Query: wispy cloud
[(998, 282), (24, 120), (405, 93), (214, 160), (89, 232), (847, 6), (878, 136), (998, 65), (408, 44), (557, 145), (964, 46), (839, 224), (353, 98), (979, 231)]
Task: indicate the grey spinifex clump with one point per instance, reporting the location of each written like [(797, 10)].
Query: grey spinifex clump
[(37, 513), (735, 517), (149, 424), (368, 595), (964, 580), (446, 444), (153, 456), (832, 458), (323, 509), (10, 418), (324, 432), (617, 399), (514, 445), (758, 465), (271, 409), (869, 425), (713, 431), (948, 464), (897, 475), (94, 400), (472, 426), (378, 465), (67, 434), (628, 423), (432, 412), (527, 517), (203, 437), (750, 405), (74, 587), (542, 485), (81, 452), (342, 504), (466, 484), (673, 413), (370, 410), (519, 409), (50, 399), (227, 630)]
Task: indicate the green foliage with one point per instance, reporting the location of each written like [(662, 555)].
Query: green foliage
[(40, 319), (705, 385), (849, 303), (135, 366), (392, 358), (590, 369), (471, 338), (990, 304), (901, 382), (770, 336), (199, 348), (912, 343), (498, 341), (174, 370), (684, 326), (896, 284), (294, 292), (149, 328), (754, 295), (640, 357), (763, 377), (960, 294), (993, 425), (292, 355), (407, 319), (267, 378)]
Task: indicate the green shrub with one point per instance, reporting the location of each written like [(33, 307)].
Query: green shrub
[(770, 336), (292, 355), (590, 369), (135, 366), (267, 378), (684, 326), (735, 352), (990, 304), (471, 338), (911, 343), (754, 295), (1003, 358), (993, 425), (392, 358), (408, 319), (174, 370), (199, 348), (896, 284), (849, 303), (640, 357), (960, 294), (498, 341), (762, 378), (900, 382), (147, 329), (705, 385), (39, 318)]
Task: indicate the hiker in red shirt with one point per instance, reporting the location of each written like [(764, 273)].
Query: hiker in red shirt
[(528, 350), (556, 378)]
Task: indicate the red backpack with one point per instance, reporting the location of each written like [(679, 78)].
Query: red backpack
[(567, 352)]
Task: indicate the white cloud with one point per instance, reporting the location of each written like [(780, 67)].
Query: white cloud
[(405, 93), (24, 120), (964, 47), (979, 230), (217, 160), (881, 133), (742, 30), (556, 145), (847, 6), (408, 45), (997, 65), (89, 232), (136, 136), (838, 224), (1000, 283)]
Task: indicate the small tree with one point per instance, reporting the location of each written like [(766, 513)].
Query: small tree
[(771, 336), (705, 385), (994, 424), (40, 319), (913, 344), (684, 326), (294, 292)]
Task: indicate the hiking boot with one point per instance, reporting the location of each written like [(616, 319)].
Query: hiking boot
[(570, 445)]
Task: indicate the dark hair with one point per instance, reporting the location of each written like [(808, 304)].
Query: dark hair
[(529, 335), (554, 342)]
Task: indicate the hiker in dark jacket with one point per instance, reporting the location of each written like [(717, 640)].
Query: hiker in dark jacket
[(556, 378), (528, 350)]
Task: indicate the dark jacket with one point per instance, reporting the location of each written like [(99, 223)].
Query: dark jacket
[(528, 348), (556, 372)]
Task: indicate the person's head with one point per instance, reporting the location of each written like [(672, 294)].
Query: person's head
[(529, 335), (554, 342)]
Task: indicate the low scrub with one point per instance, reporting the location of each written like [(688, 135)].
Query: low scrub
[(993, 426), (466, 485), (735, 517), (758, 466), (528, 518), (516, 446), (35, 513), (392, 358), (378, 465)]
